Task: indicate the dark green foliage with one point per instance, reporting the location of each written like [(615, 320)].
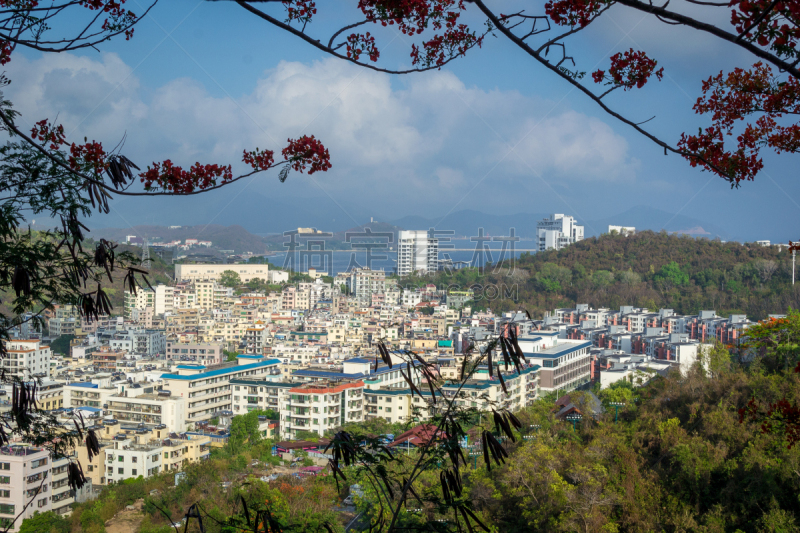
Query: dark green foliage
[(48, 522), (61, 344)]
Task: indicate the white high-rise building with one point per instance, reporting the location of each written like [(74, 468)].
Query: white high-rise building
[(557, 232), (417, 252), (27, 359), (161, 300)]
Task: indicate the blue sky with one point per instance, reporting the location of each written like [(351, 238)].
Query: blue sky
[(494, 132)]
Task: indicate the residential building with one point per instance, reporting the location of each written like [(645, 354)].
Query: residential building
[(557, 232), (208, 389), (417, 251), (161, 299), (365, 282), (26, 359), (207, 353), (25, 476)]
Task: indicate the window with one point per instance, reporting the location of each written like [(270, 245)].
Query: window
[(6, 508), (91, 468), (5, 480), (120, 459), (134, 459), (42, 502), (133, 471), (166, 455), (120, 470), (5, 493), (5, 466)]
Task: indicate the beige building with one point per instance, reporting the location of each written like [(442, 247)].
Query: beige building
[(200, 271), (155, 409)]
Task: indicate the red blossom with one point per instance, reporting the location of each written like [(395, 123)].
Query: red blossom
[(300, 10), (778, 30), (358, 44), (259, 159), (630, 69), (572, 12), (307, 152), (412, 17), (171, 178), (731, 99), (47, 133), (89, 154)]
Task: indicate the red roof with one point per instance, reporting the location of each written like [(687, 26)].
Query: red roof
[(416, 436)]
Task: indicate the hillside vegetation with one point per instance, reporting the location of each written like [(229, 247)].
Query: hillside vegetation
[(653, 270)]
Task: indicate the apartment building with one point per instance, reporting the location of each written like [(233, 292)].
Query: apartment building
[(107, 360), (62, 496), (208, 390), (564, 365), (557, 232), (25, 476), (202, 271), (321, 406), (206, 353), (365, 282), (259, 395), (87, 394), (151, 409), (26, 359), (161, 299), (417, 251)]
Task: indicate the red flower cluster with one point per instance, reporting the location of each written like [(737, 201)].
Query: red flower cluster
[(455, 42), (630, 69), (572, 12), (119, 17), (731, 99), (172, 178), (779, 28), (47, 133), (781, 416), (91, 154), (358, 44), (415, 16), (300, 10), (307, 151), (259, 159)]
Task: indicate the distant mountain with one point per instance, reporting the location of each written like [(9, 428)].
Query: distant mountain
[(466, 223), (223, 237)]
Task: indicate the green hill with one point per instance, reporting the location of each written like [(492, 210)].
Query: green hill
[(652, 270)]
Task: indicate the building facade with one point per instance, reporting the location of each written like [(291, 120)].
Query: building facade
[(558, 231), (417, 251)]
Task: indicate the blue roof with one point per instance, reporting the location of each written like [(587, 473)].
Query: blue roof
[(360, 360), (90, 409), (86, 384), (530, 339), (250, 356), (191, 367), (221, 371), (558, 351)]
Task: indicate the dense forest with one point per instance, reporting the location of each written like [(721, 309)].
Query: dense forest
[(652, 270)]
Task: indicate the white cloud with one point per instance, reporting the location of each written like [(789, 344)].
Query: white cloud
[(433, 132)]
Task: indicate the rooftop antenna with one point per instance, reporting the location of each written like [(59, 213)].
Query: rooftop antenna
[(145, 254)]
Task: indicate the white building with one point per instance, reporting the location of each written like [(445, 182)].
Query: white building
[(364, 282), (557, 232), (24, 477), (161, 300), (27, 359), (417, 252)]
